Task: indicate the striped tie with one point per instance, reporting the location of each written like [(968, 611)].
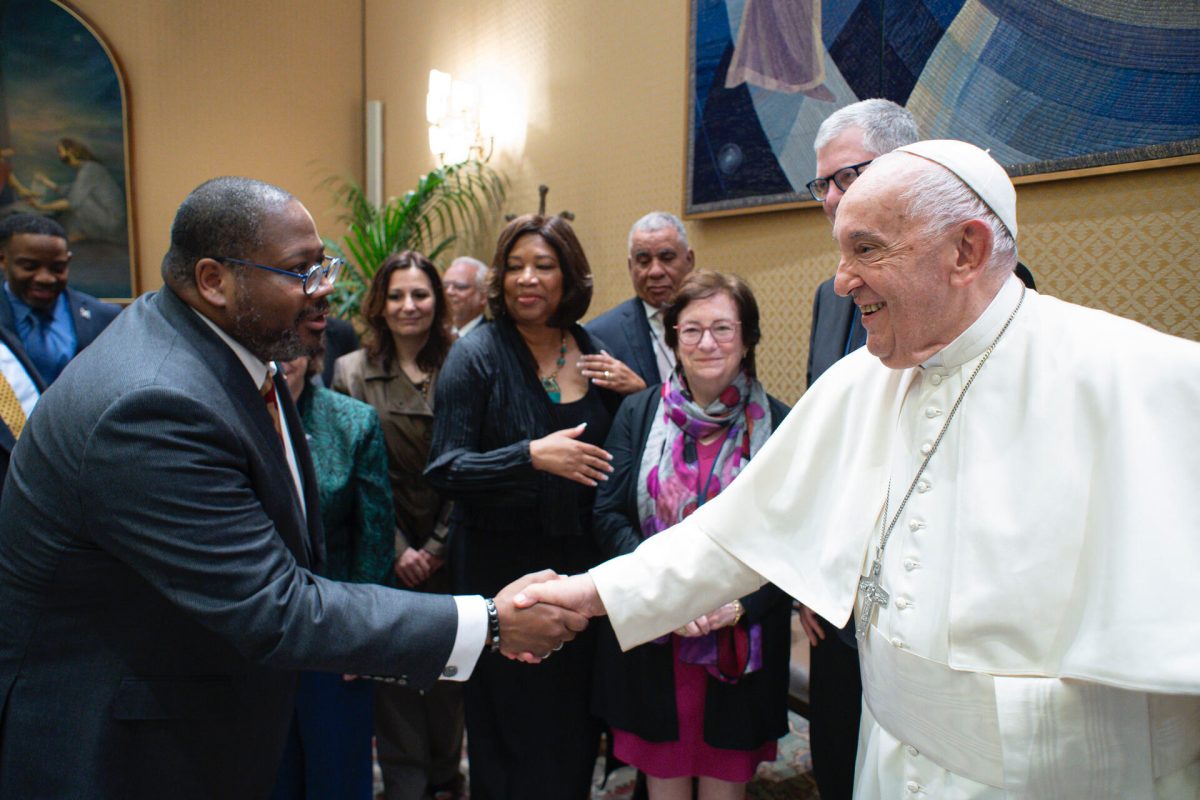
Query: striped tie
[(10, 408)]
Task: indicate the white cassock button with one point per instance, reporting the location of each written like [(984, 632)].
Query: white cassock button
[(898, 643), (915, 524), (935, 379), (923, 487), (912, 787), (910, 564), (901, 603), (926, 449), (932, 412), (912, 751)]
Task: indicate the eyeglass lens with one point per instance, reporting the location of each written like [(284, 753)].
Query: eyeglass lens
[(327, 269), (722, 332)]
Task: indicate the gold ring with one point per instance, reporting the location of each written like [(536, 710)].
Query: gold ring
[(607, 374)]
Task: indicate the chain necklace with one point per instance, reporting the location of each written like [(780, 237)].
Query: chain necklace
[(872, 593), (550, 382)]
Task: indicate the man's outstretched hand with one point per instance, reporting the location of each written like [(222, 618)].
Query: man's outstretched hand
[(532, 631)]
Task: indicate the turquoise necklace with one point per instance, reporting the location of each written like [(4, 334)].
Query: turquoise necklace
[(550, 382)]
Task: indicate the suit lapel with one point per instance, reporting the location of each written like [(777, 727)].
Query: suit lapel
[(640, 339), (272, 478), (6, 314), (81, 316), (314, 542)]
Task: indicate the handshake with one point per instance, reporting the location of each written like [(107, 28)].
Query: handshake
[(540, 611)]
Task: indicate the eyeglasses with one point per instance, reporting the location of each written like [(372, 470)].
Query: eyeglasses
[(819, 187), (723, 331), (327, 269)]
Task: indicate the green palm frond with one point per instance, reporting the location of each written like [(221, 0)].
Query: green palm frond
[(454, 200)]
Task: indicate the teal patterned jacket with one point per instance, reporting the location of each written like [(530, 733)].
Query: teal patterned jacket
[(350, 460)]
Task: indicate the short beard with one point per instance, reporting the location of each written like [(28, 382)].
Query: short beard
[(247, 329)]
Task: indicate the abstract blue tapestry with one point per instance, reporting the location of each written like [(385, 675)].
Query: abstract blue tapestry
[(1046, 85)]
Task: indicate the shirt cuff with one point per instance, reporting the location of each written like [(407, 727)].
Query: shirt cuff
[(469, 639)]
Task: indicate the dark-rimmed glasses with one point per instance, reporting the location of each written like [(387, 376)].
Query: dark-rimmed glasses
[(723, 331), (327, 269), (819, 187)]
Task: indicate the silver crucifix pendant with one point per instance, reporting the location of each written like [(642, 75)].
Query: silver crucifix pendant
[(872, 594)]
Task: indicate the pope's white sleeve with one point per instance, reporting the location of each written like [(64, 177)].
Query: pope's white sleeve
[(672, 578)]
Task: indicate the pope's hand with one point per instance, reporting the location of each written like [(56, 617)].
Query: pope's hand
[(577, 593), (530, 631)]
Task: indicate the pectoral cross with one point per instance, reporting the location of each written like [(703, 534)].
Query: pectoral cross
[(872, 594)]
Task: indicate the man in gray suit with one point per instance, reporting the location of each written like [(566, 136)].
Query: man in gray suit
[(159, 532), (636, 354)]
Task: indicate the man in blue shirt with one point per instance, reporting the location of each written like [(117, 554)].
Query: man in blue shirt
[(52, 321)]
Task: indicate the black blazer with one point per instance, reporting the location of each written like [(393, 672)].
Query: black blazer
[(490, 405), (625, 332), (91, 316), (7, 440), (340, 339), (635, 691), (155, 576)]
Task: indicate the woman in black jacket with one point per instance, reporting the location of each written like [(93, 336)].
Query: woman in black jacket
[(710, 700), (516, 444)]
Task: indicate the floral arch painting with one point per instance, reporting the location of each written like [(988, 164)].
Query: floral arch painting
[(1049, 86), (62, 139)]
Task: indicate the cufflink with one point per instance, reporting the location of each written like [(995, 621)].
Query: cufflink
[(450, 671)]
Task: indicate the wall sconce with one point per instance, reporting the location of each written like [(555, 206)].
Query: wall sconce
[(456, 122)]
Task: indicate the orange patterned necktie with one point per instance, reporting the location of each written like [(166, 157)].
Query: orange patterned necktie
[(10, 408)]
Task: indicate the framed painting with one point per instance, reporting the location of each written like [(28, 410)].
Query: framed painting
[(64, 142), (1053, 88)]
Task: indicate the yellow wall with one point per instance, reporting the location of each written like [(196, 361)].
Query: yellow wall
[(605, 87), (270, 89), (274, 89)]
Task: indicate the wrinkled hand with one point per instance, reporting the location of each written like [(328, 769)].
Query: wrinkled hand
[(562, 454), (532, 631), (712, 621), (412, 568), (811, 625), (610, 373)]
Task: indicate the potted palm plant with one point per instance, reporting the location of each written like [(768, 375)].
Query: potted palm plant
[(451, 201)]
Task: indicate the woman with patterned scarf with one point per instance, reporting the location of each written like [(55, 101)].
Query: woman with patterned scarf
[(709, 700)]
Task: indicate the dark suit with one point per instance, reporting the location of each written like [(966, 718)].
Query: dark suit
[(155, 578), (7, 440), (626, 335), (90, 316), (340, 339)]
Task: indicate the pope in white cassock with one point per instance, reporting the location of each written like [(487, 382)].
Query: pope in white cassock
[(1003, 488)]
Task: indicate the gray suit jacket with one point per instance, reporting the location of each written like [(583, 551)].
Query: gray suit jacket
[(625, 334), (155, 578), (830, 327)]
